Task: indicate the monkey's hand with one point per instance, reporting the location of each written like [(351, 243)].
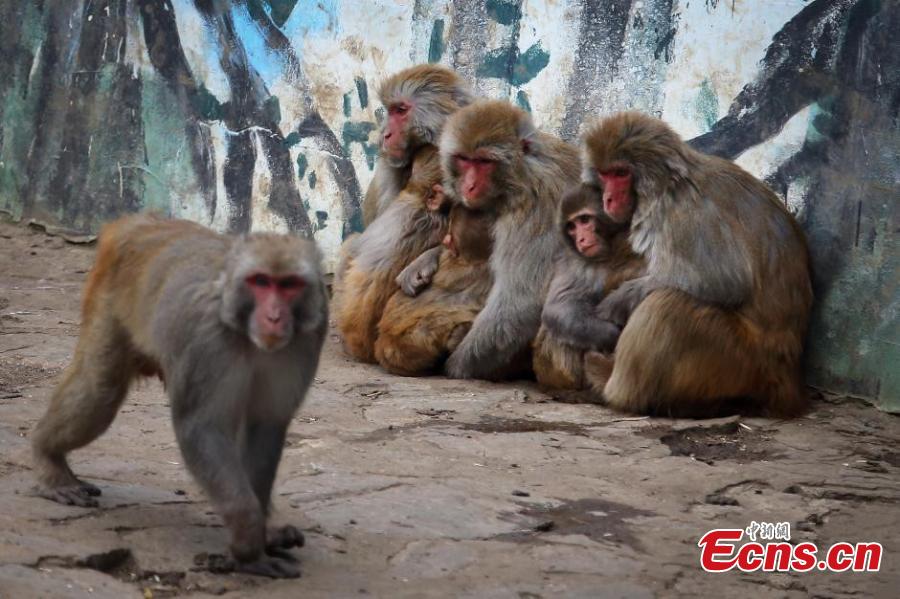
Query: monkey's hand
[(457, 366), (417, 276), (436, 199), (618, 305), (280, 566), (605, 335)]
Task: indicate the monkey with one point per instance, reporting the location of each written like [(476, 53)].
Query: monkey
[(494, 159), (414, 222), (595, 259), (720, 316), (404, 201), (235, 326), (418, 100), (416, 334)]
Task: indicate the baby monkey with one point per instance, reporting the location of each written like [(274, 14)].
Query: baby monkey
[(596, 259), (234, 327), (416, 334)]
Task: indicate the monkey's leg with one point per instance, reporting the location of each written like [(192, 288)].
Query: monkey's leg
[(81, 408), (262, 453), (678, 357), (205, 427)]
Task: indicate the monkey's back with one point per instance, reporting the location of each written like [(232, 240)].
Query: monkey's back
[(143, 257)]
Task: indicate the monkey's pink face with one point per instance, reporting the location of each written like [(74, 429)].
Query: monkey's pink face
[(272, 320), (475, 179), (618, 197), (582, 229), (393, 144)]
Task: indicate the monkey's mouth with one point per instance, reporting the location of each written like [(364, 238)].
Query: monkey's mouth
[(270, 343)]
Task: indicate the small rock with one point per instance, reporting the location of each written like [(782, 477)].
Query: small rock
[(545, 526), (719, 499)]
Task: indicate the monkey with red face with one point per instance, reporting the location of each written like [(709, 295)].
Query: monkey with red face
[(495, 160), (596, 259), (418, 100), (411, 213), (721, 314), (234, 326)]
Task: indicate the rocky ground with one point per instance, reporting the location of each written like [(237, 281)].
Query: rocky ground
[(431, 487)]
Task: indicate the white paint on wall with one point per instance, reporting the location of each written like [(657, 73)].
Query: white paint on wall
[(720, 43)]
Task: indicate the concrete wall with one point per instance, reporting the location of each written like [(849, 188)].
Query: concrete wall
[(262, 114)]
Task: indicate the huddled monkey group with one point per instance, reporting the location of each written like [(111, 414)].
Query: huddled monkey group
[(647, 275), (658, 279)]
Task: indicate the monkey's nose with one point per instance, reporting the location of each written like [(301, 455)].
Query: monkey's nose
[(273, 318)]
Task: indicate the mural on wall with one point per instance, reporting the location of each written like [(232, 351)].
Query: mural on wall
[(263, 114)]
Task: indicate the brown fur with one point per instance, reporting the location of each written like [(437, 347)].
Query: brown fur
[(404, 231), (728, 294), (417, 333)]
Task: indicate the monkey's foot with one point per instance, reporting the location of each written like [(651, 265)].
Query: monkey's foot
[(81, 494), (266, 565), (283, 537)]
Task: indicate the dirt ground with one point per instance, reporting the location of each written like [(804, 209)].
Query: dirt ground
[(431, 487)]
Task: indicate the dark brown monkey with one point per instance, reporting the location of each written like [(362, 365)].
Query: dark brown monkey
[(494, 159), (418, 100), (235, 326), (417, 333), (596, 259), (723, 309)]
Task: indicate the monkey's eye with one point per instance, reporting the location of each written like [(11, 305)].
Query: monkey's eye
[(616, 173), (290, 283), (399, 109), (584, 219), (570, 227), (259, 280)]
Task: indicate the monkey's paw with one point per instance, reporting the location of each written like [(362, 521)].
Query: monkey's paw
[(81, 494), (413, 282), (284, 537), (456, 368), (266, 565)]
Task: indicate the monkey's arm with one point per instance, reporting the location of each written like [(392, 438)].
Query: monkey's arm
[(570, 312), (418, 274), (206, 413), (618, 305), (512, 313)]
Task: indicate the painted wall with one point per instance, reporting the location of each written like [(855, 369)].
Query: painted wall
[(263, 114)]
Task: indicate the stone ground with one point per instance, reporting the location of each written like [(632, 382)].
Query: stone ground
[(431, 487)]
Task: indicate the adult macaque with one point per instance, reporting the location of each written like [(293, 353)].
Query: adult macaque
[(596, 259), (235, 327), (495, 160), (416, 334), (405, 196), (418, 100), (722, 312), (414, 222)]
